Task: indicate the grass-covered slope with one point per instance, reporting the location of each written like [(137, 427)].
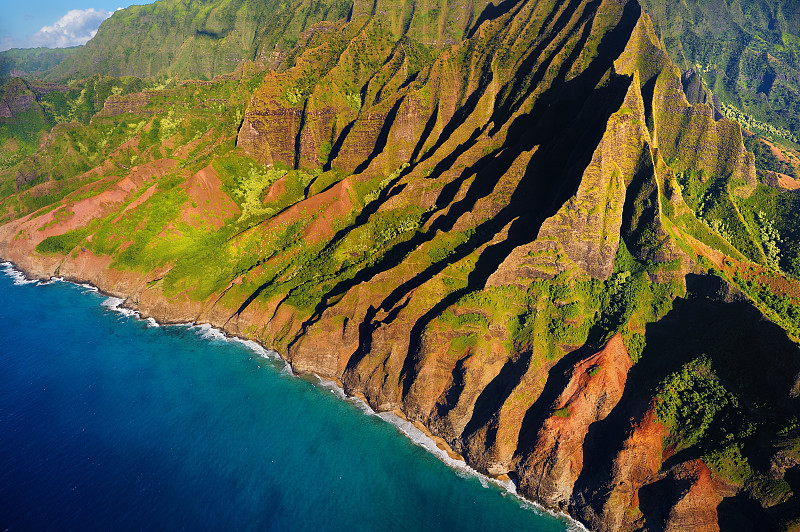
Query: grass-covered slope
[(527, 239), (29, 109)]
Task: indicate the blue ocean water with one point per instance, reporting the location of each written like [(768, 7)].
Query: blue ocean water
[(110, 423)]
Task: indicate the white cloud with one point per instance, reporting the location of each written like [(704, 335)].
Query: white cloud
[(74, 28)]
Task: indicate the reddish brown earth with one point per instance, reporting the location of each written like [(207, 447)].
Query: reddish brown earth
[(788, 182), (636, 464), (71, 216), (206, 204), (784, 155), (331, 204), (594, 387), (777, 282), (698, 496)]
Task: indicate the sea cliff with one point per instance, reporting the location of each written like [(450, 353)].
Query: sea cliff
[(498, 236)]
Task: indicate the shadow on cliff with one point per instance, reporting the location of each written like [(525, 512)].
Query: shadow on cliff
[(496, 393), (557, 379), (566, 123), (653, 496), (524, 133), (492, 12), (753, 358)]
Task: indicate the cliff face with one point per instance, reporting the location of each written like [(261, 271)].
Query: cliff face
[(489, 233), (31, 61)]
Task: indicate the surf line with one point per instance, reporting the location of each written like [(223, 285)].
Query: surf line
[(414, 434)]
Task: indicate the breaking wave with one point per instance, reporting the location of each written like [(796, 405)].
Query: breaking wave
[(17, 276), (418, 437), (414, 434)]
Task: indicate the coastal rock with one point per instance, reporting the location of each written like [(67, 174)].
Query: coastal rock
[(610, 501)]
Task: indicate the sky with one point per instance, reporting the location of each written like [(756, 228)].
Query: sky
[(54, 23)]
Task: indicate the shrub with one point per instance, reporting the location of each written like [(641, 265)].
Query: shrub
[(562, 412), (62, 244)]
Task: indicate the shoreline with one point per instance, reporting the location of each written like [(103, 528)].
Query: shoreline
[(415, 431)]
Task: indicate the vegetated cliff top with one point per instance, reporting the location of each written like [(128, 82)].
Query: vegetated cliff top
[(528, 240), (745, 51)]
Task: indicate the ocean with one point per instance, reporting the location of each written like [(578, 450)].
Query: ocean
[(110, 422)]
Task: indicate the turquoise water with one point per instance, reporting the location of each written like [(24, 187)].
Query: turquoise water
[(110, 423)]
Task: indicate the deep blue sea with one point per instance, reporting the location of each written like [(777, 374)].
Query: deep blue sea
[(108, 422)]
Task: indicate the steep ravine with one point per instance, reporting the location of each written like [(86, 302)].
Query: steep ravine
[(528, 176)]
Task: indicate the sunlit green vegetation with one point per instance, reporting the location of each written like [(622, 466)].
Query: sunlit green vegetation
[(64, 243), (699, 411), (274, 242)]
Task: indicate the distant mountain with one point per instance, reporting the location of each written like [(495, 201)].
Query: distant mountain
[(32, 62), (746, 51), (198, 39)]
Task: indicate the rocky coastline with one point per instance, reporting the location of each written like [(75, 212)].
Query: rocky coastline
[(415, 431)]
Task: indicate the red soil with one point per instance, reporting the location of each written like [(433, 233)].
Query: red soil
[(207, 203), (787, 181), (334, 202)]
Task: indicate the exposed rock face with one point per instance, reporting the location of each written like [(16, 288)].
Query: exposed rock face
[(15, 104), (470, 269), (594, 387), (115, 105), (697, 498), (20, 95), (694, 89), (612, 503), (18, 98), (623, 154)]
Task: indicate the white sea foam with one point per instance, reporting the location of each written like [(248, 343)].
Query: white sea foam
[(461, 468), (112, 302), (17, 276), (207, 332), (115, 304), (421, 439), (337, 390), (414, 434), (269, 354), (334, 388)]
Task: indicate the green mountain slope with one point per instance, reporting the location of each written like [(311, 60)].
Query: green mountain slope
[(32, 62), (198, 39), (508, 222), (746, 51)]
